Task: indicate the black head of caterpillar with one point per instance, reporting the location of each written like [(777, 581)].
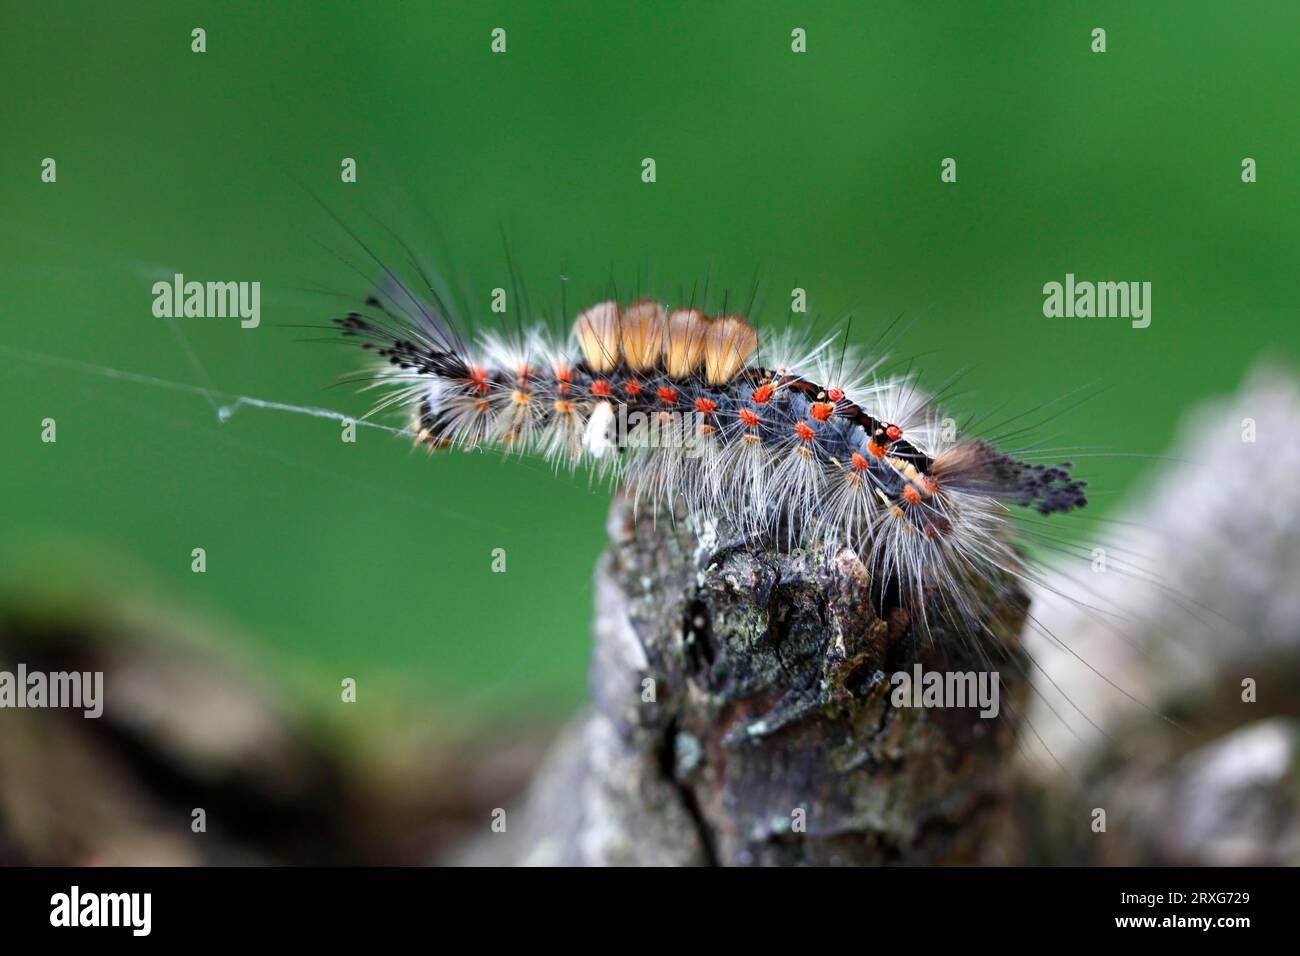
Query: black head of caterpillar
[(678, 404)]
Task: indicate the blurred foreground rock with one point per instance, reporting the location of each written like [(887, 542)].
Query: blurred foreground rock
[(1202, 627), (186, 725)]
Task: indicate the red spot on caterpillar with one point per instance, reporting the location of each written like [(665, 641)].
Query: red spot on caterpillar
[(708, 429), (875, 450), (835, 394), (705, 406), (763, 394), (804, 431), (600, 387), (633, 387), (860, 463), (822, 410), (894, 433), (563, 375), (666, 394), (478, 379), (911, 495), (749, 417), (564, 407)]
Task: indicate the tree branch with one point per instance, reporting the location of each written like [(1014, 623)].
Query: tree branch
[(741, 714)]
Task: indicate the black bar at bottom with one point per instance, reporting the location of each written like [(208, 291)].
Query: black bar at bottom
[(970, 905)]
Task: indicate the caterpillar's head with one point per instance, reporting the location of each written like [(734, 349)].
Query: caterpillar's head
[(888, 434), (887, 439)]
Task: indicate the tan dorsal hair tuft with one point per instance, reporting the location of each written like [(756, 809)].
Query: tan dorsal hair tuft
[(644, 323), (597, 330), (684, 346), (728, 344)]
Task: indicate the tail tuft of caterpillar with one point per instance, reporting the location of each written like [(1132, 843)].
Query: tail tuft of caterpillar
[(978, 468)]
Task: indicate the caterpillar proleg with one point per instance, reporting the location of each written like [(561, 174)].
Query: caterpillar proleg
[(806, 440)]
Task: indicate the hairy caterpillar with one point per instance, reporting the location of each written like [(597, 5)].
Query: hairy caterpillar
[(789, 439)]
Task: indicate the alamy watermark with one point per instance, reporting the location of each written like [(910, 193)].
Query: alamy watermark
[(1098, 300), (922, 688), (208, 300), (133, 911), (75, 690), (623, 428)]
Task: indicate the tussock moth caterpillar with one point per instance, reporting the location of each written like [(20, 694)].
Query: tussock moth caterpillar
[(804, 440)]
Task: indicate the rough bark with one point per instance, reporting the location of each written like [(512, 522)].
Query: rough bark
[(741, 714)]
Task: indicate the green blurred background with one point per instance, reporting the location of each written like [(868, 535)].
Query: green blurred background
[(821, 170)]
